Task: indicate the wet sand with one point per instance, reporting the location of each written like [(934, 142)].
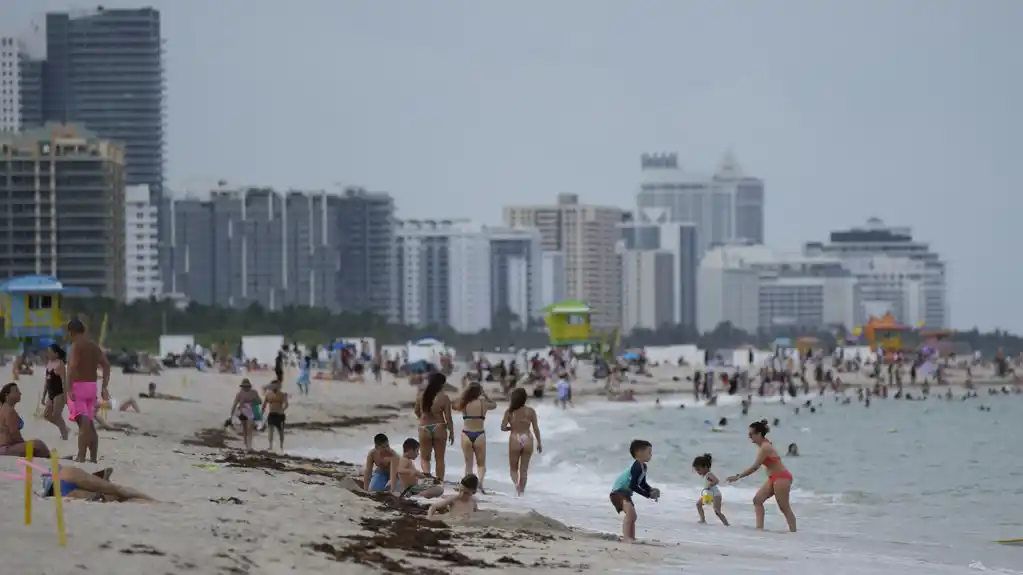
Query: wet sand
[(223, 511)]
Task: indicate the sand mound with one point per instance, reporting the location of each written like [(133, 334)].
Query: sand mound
[(531, 521)]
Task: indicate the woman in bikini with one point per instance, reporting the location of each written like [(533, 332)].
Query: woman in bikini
[(79, 484), (54, 398), (520, 420), (474, 405), (244, 409), (779, 480), (433, 408), (11, 441)]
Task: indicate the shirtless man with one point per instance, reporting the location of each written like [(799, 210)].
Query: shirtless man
[(406, 479), (462, 503), (275, 403), (85, 358), (378, 464)]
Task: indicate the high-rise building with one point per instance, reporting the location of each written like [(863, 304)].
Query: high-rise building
[(516, 272), (725, 206), (62, 208), (237, 247), (895, 272), (365, 231), (442, 275), (141, 254), (648, 289), (20, 86), (755, 288), (655, 232), (189, 253), (587, 236), (104, 69), (911, 285), (554, 287)]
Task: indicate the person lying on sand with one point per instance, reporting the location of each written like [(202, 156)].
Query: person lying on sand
[(406, 479), (463, 503), (378, 464), (79, 484), (119, 405)]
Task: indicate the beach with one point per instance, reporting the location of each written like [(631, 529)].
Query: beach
[(225, 511)]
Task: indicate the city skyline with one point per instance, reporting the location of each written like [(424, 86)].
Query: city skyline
[(805, 121)]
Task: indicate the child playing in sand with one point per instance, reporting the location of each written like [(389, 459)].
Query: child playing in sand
[(633, 480), (406, 479), (462, 503), (378, 464), (701, 465)]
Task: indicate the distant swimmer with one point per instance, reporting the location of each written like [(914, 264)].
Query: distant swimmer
[(474, 405), (433, 408), (701, 465), (520, 420), (793, 450), (633, 480), (779, 480)]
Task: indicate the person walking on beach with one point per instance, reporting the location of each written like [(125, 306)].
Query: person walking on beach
[(474, 405), (275, 403), (85, 358), (521, 421), (633, 480), (54, 398), (11, 441), (303, 375), (244, 408), (701, 465), (779, 480), (433, 408)]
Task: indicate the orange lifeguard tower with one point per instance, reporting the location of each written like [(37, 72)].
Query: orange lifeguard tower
[(884, 332), (806, 343)]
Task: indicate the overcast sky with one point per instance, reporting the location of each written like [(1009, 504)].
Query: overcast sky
[(903, 109)]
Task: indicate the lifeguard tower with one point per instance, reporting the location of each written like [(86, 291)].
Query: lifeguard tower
[(31, 307), (568, 323), (885, 332)]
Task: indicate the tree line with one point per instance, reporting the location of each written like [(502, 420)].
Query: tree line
[(139, 325)]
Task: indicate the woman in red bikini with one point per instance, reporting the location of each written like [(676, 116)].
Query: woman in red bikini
[(779, 480)]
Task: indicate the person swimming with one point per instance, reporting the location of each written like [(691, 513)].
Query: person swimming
[(779, 480), (701, 465), (520, 420), (377, 474)]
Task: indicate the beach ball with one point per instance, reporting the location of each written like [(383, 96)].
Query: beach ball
[(707, 497)]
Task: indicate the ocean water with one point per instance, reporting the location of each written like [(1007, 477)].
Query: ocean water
[(899, 487)]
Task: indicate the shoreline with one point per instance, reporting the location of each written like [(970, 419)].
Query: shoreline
[(220, 506)]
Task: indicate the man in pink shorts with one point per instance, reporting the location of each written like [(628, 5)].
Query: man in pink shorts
[(85, 358)]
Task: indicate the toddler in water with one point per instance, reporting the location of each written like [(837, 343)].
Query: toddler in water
[(701, 465), (633, 480)]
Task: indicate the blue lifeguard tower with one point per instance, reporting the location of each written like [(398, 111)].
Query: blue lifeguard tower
[(31, 307)]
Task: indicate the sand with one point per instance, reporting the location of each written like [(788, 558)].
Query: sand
[(265, 513), (226, 512)]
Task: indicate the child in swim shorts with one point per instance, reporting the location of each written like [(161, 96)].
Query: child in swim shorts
[(633, 480), (701, 465), (407, 480), (378, 464)]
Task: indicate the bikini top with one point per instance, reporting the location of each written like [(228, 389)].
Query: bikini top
[(770, 460), (21, 423), (479, 417)]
